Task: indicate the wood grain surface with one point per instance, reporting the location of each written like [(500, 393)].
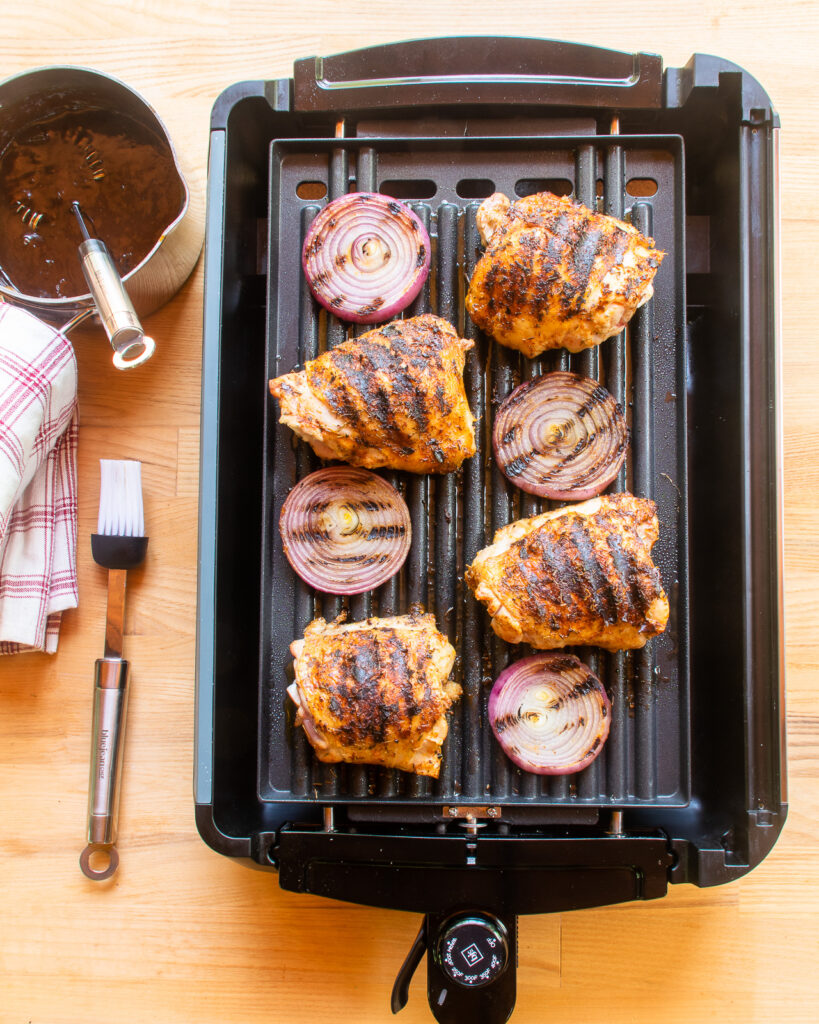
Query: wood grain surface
[(181, 934)]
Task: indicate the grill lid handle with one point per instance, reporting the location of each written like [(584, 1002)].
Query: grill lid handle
[(478, 70)]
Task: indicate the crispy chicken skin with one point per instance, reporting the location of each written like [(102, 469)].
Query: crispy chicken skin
[(375, 692), (393, 397), (557, 274), (581, 574)]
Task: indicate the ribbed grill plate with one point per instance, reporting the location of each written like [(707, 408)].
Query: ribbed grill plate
[(646, 759)]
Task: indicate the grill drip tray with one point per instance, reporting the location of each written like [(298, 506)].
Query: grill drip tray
[(443, 180)]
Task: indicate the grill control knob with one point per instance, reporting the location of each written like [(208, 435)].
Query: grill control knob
[(473, 949)]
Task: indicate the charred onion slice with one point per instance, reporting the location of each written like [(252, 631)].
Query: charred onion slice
[(366, 257), (561, 436), (345, 530), (550, 713)]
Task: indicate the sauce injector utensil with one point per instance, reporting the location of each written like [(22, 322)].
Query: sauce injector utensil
[(131, 345)]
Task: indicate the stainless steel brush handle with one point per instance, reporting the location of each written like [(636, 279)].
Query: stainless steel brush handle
[(110, 703)]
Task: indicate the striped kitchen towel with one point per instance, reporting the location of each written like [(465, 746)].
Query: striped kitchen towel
[(39, 424)]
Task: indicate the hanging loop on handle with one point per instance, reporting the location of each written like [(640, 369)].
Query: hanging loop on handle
[(99, 874)]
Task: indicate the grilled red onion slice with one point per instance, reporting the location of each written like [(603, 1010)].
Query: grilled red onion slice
[(550, 713), (366, 257), (345, 530), (560, 436)]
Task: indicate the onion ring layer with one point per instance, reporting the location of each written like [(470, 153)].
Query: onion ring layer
[(345, 530), (560, 436), (366, 257), (550, 713)]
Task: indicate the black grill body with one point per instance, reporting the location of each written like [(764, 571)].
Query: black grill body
[(691, 784)]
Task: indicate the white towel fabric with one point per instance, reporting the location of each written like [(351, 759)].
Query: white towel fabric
[(39, 424)]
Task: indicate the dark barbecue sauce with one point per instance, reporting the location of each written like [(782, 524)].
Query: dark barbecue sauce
[(122, 175)]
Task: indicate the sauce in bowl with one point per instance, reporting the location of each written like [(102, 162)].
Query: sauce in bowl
[(120, 172)]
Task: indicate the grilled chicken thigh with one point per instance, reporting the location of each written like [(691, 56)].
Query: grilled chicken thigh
[(557, 274), (581, 574), (393, 397), (375, 692)]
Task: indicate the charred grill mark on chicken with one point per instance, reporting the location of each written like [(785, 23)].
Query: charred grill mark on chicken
[(396, 394), (556, 273), (376, 692), (581, 575)]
